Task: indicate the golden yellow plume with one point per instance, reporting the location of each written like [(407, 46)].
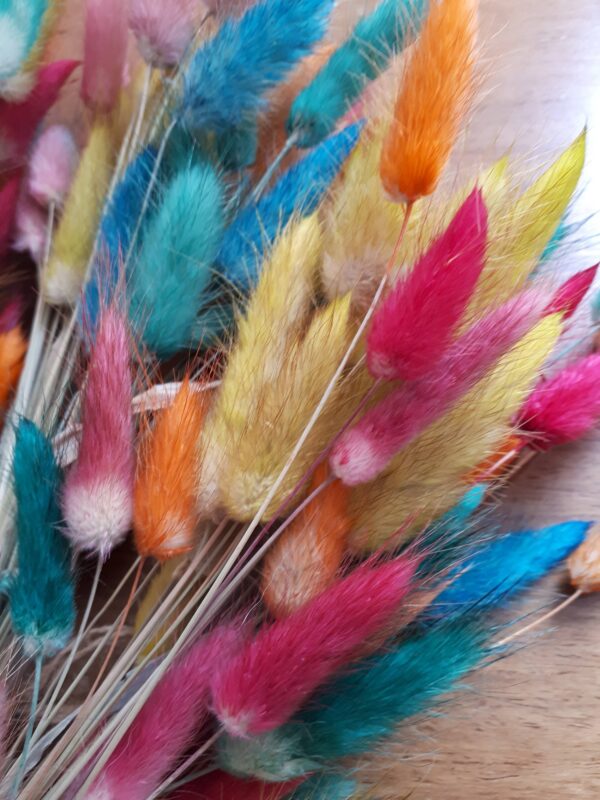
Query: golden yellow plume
[(77, 229), (520, 230), (76, 232), (259, 415), (428, 476), (276, 314)]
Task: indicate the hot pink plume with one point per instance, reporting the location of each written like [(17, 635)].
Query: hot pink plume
[(98, 493), (221, 786), (571, 293), (52, 165), (9, 199), (166, 724), (11, 314), (365, 450), (105, 53), (19, 121), (415, 323), (31, 228), (269, 679), (163, 30), (564, 408)]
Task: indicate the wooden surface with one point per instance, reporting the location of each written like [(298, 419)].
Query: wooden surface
[(530, 727)]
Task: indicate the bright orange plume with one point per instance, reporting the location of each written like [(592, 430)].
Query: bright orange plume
[(437, 87), (165, 515), (306, 558), (12, 351)]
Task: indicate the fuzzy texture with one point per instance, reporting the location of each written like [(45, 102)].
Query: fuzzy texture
[(572, 292), (9, 200), (426, 478), (241, 464), (165, 514), (76, 231), (98, 493), (41, 593), (13, 347), (25, 26), (272, 134), (520, 227), (565, 407), (166, 724), (445, 538), (327, 786), (432, 102), (170, 277), (584, 564), (52, 166), (499, 570), (364, 451), (116, 229), (359, 710), (273, 675), (227, 79), (19, 121), (163, 31), (219, 785), (298, 192), (414, 325), (31, 228), (105, 53), (365, 54), (275, 316), (306, 558)]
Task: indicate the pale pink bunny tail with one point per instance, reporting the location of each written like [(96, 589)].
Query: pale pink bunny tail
[(98, 493)]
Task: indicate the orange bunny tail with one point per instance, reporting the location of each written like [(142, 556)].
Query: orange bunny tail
[(306, 559), (165, 516), (432, 102)]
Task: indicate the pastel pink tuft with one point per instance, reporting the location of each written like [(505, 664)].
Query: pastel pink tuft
[(98, 493), (52, 166), (413, 326), (270, 678), (105, 53), (31, 228), (164, 30), (364, 451), (571, 293), (565, 407)]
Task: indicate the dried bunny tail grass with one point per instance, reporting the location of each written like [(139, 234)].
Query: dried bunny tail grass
[(428, 476), (432, 102), (276, 314), (521, 226), (74, 239), (307, 557), (165, 514), (272, 134), (98, 491), (362, 223), (282, 405)]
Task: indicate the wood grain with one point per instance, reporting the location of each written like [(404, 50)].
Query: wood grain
[(529, 728)]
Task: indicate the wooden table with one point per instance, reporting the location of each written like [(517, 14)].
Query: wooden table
[(530, 727)]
